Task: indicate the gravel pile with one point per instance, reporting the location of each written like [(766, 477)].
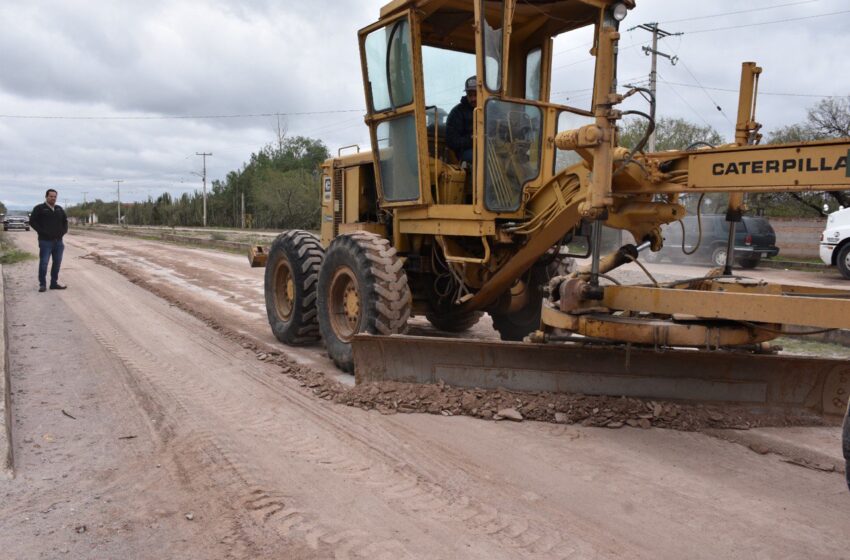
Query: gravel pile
[(609, 412)]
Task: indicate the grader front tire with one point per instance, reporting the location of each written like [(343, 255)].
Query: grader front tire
[(292, 274), (362, 288)]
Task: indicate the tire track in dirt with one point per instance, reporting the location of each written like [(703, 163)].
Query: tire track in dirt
[(404, 490), (413, 493), (186, 436)]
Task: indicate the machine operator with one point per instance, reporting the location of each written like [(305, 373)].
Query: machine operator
[(460, 124)]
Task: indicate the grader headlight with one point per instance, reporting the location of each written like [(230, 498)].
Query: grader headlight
[(619, 11)]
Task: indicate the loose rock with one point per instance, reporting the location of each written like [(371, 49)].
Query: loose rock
[(510, 414)]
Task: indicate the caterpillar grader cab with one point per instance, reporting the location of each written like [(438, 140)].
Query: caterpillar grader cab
[(410, 229)]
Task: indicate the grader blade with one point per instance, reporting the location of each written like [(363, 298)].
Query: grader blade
[(794, 384), (257, 256)]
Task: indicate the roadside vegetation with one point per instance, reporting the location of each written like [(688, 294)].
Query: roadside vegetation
[(280, 183), (9, 253)]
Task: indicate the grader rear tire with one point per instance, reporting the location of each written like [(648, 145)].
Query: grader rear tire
[(362, 288), (292, 274)]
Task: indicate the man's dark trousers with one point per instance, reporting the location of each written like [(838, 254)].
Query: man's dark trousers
[(48, 249)]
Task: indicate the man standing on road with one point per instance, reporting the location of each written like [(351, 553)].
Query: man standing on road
[(460, 124), (51, 223)]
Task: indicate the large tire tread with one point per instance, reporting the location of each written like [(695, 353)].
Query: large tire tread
[(305, 254), (384, 290), (841, 261)]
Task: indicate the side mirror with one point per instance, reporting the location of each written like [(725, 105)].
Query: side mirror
[(576, 244), (577, 248)]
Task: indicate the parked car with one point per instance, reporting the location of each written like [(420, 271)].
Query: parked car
[(754, 240), (835, 241), (16, 222)]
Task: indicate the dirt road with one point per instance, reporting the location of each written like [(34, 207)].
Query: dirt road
[(141, 432)]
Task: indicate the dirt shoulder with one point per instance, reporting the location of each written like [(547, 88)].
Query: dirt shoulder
[(6, 459)]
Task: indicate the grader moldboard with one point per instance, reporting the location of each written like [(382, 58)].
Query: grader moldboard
[(407, 229)]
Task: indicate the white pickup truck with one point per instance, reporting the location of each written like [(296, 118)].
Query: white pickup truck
[(835, 241)]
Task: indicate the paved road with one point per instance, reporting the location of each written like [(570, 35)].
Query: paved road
[(172, 421)]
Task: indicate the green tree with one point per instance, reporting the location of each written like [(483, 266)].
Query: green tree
[(828, 118), (280, 184), (288, 199), (2, 208), (670, 134)]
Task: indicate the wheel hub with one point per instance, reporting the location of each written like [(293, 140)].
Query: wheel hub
[(351, 304), (344, 303), (284, 290)]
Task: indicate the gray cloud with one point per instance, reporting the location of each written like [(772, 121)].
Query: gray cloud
[(79, 58)]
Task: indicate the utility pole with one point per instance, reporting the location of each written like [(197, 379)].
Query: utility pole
[(653, 75), (118, 182), (85, 220), (243, 209), (204, 155)]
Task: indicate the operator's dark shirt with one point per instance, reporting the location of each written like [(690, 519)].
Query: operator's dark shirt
[(459, 127), (51, 224)]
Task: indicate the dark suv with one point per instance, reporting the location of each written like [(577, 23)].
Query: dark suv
[(754, 239)]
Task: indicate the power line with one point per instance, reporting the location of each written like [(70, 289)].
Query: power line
[(730, 90), (741, 11), (590, 44), (716, 105), (592, 59), (711, 30), (176, 117), (685, 101), (766, 22)]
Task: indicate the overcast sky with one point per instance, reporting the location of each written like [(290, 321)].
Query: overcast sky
[(93, 63)]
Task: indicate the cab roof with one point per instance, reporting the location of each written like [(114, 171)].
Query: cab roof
[(449, 23)]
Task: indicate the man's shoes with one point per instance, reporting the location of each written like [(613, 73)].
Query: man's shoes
[(42, 289), (57, 287)]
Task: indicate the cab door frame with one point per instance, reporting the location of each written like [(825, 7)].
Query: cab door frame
[(414, 109)]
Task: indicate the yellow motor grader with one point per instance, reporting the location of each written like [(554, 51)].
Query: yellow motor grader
[(408, 229)]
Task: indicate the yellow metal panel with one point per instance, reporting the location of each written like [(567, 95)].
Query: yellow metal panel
[(444, 212), (351, 195), (760, 308), (815, 165), (472, 228), (358, 158)]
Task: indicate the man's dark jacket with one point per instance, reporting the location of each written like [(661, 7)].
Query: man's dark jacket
[(51, 224), (459, 127)]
